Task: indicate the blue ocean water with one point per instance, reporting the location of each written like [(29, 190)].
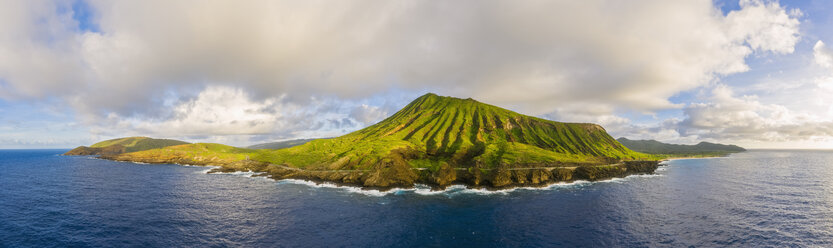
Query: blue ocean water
[(750, 199)]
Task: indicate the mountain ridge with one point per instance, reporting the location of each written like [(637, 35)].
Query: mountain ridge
[(656, 147)]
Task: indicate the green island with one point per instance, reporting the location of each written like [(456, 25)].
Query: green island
[(434, 140)]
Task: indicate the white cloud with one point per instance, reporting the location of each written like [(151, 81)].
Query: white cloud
[(368, 114), (822, 55), (219, 111), (765, 26), (507, 53), (537, 57), (222, 111), (744, 118)]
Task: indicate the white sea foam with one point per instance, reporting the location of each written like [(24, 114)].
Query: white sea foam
[(421, 189), (193, 165), (627, 178), (206, 170), (238, 173), (643, 176), (351, 189)]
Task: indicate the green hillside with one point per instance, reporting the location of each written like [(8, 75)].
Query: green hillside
[(433, 130), (280, 144), (133, 144), (123, 145), (197, 153), (656, 147)]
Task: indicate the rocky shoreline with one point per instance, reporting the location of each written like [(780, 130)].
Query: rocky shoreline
[(389, 174)]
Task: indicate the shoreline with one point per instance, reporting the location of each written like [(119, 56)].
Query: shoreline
[(423, 189), (696, 157)]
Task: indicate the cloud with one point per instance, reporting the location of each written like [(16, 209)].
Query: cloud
[(368, 114), (727, 117), (221, 111), (822, 55), (537, 57), (730, 117)]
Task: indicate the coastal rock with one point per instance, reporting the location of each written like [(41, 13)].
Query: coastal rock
[(562, 174), (594, 173), (502, 177), (474, 176), (390, 172), (540, 176), (445, 175), (521, 176), (641, 166)]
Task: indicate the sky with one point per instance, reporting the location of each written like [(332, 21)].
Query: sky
[(755, 73)]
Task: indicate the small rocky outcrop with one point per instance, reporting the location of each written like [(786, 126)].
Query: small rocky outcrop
[(444, 176), (390, 173)]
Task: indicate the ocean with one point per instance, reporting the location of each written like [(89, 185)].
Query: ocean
[(761, 198)]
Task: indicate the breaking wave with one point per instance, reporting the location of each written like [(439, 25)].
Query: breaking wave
[(421, 189)]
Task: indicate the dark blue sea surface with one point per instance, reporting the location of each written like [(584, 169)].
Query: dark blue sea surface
[(750, 199)]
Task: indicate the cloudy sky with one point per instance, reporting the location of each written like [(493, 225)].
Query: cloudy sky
[(748, 72)]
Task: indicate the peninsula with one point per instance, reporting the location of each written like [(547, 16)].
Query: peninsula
[(434, 140), (702, 149)]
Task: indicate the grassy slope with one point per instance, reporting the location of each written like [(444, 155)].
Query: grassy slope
[(133, 144), (218, 153), (280, 144), (435, 129)]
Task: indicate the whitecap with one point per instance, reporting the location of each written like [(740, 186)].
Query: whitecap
[(644, 176), (421, 189), (351, 189), (629, 177), (206, 170), (194, 165)]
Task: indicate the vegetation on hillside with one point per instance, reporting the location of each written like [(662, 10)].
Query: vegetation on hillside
[(197, 153), (133, 144), (123, 145), (280, 144), (665, 149)]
